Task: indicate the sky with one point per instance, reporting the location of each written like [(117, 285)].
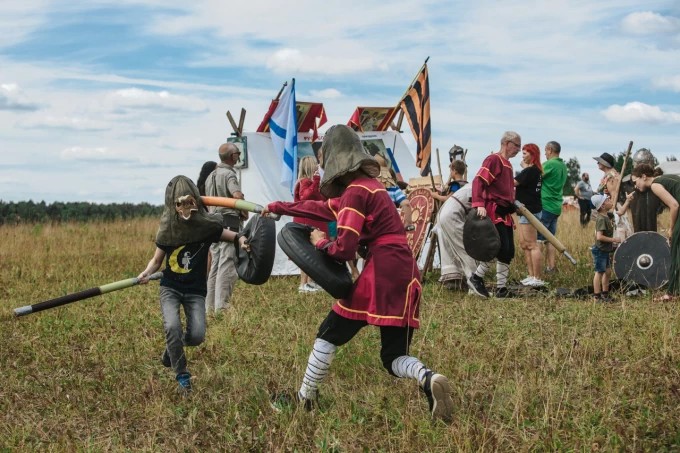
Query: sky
[(105, 101)]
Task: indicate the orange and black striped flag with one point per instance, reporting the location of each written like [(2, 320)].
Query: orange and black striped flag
[(416, 107)]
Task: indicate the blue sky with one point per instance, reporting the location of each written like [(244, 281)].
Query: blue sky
[(106, 101)]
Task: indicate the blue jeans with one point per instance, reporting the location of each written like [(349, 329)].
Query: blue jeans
[(600, 259), (175, 337), (549, 220)]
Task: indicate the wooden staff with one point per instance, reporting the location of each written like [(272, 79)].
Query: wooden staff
[(544, 231), (617, 187), (81, 295)]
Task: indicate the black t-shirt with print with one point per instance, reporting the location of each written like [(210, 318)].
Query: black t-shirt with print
[(186, 266), (528, 190)]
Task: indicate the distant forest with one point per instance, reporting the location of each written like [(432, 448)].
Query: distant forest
[(30, 212)]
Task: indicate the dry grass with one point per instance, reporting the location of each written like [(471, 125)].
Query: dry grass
[(531, 374)]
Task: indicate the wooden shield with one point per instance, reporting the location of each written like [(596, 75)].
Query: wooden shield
[(422, 205)]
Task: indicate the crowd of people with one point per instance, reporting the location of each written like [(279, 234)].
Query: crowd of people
[(352, 200)]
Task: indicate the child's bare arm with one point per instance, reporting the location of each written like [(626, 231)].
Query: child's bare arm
[(153, 266)]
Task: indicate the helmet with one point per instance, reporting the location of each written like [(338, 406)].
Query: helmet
[(643, 156)]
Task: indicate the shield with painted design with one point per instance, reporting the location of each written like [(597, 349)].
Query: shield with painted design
[(422, 205)]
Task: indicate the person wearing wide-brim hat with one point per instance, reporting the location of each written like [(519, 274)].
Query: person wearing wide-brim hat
[(610, 180), (387, 293)]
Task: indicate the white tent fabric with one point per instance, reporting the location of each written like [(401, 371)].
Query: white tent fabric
[(260, 180)]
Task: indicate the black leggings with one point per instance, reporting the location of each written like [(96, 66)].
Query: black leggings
[(395, 341)]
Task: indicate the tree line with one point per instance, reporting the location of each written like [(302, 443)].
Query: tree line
[(31, 212)]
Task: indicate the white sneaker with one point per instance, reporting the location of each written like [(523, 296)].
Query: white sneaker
[(307, 288), (536, 283), (315, 286), (527, 280)]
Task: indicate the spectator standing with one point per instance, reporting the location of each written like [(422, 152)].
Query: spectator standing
[(206, 169), (528, 192), (223, 182), (493, 194), (554, 177), (307, 188), (457, 170), (584, 191)]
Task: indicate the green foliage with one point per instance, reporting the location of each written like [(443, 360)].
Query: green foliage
[(30, 212), (529, 374)]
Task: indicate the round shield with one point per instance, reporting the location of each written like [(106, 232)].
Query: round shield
[(422, 205), (480, 237), (254, 266), (643, 258)]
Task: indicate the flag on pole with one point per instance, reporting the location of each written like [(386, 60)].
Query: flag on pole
[(416, 107), (283, 130)]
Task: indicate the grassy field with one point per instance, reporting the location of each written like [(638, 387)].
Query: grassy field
[(529, 374)]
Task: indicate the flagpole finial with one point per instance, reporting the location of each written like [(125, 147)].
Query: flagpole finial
[(428, 57)]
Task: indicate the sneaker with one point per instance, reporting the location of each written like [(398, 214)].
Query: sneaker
[(476, 284), (550, 270), (184, 381), (307, 288), (527, 280), (165, 359), (314, 285), (535, 283), (438, 392), (504, 293), (290, 400)]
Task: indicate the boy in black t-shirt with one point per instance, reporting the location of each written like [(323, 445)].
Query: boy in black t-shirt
[(183, 241)]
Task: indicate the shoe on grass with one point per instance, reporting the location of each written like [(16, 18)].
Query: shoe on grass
[(527, 280), (438, 392), (476, 285), (289, 400), (504, 293), (184, 382), (307, 288), (165, 359)]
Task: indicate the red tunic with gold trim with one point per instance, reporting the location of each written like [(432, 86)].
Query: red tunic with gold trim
[(387, 292), (494, 185)]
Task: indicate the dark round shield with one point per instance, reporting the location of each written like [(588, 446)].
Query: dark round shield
[(480, 237), (255, 265), (331, 275), (643, 258)]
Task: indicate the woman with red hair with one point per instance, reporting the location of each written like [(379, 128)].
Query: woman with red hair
[(528, 192)]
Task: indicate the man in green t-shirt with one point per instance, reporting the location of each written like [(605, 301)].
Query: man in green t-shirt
[(554, 177)]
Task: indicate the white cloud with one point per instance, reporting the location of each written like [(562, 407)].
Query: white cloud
[(64, 122), (138, 99), (638, 112), (648, 23), (13, 98), (87, 154), (672, 83), (328, 93), (289, 60)]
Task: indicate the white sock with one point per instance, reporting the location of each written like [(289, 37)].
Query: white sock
[(407, 366), (502, 272), (317, 367), (482, 269)]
